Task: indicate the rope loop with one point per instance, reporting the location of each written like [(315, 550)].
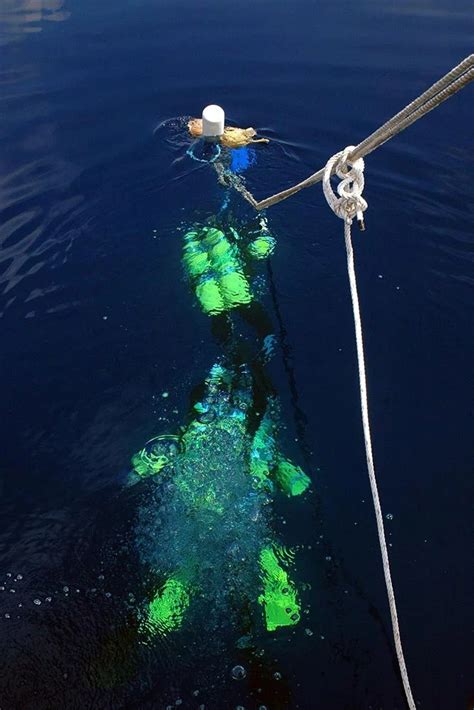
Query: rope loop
[(211, 159), (350, 202)]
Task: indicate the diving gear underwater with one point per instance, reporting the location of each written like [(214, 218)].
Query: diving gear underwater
[(205, 530), (215, 267), (223, 477), (155, 455), (166, 610), (214, 263)]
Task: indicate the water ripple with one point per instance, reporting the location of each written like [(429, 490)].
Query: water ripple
[(37, 228), (25, 17)]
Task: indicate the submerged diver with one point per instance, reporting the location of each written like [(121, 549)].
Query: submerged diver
[(216, 543), (206, 530)]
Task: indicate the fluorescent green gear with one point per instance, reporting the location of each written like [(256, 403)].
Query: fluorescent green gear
[(196, 262), (228, 261), (155, 455), (145, 465), (279, 598), (213, 264), (148, 464), (211, 236), (266, 462), (221, 250), (262, 247), (210, 297), (235, 289), (167, 609), (262, 453), (292, 479)]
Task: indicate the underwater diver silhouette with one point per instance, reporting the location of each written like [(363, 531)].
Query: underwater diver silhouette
[(223, 468), (204, 527)]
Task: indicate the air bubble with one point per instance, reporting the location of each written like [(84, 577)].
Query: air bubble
[(389, 516), (37, 602), (238, 672)]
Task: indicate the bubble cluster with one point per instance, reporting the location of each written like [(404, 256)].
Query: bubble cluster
[(209, 518)]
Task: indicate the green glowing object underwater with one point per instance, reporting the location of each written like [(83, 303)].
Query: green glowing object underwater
[(291, 479), (196, 463), (221, 471), (215, 266), (262, 247), (154, 456), (279, 597), (167, 609)]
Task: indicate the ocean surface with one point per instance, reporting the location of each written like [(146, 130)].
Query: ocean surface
[(102, 343)]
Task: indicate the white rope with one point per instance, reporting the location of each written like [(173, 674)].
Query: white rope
[(348, 205), (449, 84)]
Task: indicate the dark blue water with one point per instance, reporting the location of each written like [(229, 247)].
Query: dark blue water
[(97, 322)]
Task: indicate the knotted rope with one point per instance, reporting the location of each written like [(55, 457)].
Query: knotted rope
[(449, 84), (350, 204)]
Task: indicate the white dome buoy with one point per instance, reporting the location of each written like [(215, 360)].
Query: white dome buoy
[(213, 119)]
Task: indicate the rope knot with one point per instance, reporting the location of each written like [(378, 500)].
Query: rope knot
[(350, 202)]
